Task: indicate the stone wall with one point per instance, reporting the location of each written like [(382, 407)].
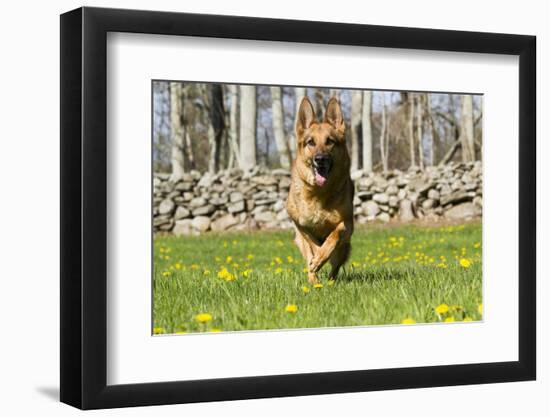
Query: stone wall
[(233, 200)]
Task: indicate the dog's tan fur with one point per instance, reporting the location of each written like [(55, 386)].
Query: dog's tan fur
[(322, 215)]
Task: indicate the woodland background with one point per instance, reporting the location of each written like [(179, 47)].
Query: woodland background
[(210, 127)]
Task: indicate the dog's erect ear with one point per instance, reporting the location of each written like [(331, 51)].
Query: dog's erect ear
[(306, 116), (333, 114)]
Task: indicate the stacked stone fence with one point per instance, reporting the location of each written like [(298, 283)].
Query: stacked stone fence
[(235, 200)]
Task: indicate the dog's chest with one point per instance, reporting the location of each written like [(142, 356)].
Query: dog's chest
[(319, 220)]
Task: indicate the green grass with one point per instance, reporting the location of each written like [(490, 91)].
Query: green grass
[(394, 273)]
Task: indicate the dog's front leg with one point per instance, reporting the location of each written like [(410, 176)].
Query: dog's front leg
[(340, 233)]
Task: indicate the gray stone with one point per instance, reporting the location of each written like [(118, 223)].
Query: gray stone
[(265, 217), (433, 194), (181, 213), (383, 217), (406, 213), (278, 205), (370, 208), (201, 223), (463, 211), (264, 180), (183, 227), (394, 201), (236, 207), (197, 202), (224, 223), (204, 210), (392, 190), (428, 204), (167, 206), (184, 186), (381, 198), (236, 196), (454, 198)]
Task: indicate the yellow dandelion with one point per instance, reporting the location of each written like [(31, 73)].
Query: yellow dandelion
[(330, 282), (467, 318), (355, 264), (195, 266), (477, 245), (480, 308), (278, 260), (203, 317), (465, 263), (291, 308), (318, 286), (408, 320), (279, 270), (177, 265), (215, 330), (246, 272), (290, 259), (158, 330), (442, 309), (180, 333), (305, 289), (166, 273), (229, 259), (449, 319), (249, 256)]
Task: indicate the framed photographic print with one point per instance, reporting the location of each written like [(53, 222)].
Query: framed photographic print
[(257, 208)]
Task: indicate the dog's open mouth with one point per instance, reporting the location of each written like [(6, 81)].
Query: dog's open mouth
[(321, 170)]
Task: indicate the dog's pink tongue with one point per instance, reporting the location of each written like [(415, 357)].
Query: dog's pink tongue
[(320, 180)]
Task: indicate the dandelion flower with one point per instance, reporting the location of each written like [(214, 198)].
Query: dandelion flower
[(318, 286), (467, 318), (166, 273), (291, 308), (215, 330), (249, 256), (158, 330), (465, 263), (177, 265), (408, 320), (305, 289), (442, 309), (229, 259), (279, 270), (480, 308), (449, 319), (203, 317)]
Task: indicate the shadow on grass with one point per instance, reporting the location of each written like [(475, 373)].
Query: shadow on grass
[(372, 276)]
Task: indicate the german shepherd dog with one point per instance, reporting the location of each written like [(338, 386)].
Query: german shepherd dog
[(320, 201)]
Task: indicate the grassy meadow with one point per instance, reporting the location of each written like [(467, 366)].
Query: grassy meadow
[(257, 280)]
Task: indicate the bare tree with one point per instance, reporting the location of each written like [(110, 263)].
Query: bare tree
[(319, 103), (248, 126), (367, 131), (233, 137), (419, 119), (178, 131), (384, 138), (279, 127), (410, 105), (216, 124), (434, 134), (356, 103), (467, 128)]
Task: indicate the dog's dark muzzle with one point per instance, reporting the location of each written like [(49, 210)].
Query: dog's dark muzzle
[(321, 168)]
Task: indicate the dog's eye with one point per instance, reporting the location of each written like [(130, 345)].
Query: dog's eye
[(310, 142), (330, 142)]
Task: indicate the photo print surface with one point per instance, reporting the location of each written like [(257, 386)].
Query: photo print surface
[(283, 207)]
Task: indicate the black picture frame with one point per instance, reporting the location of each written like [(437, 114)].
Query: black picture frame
[(84, 207)]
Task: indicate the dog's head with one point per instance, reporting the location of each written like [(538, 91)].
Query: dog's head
[(321, 146)]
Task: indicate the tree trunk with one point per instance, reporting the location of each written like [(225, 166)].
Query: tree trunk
[(367, 131), (177, 130), (419, 131), (216, 126), (410, 105), (248, 127), (233, 138), (434, 144), (279, 127), (356, 102), (383, 140), (319, 103), (467, 128)]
